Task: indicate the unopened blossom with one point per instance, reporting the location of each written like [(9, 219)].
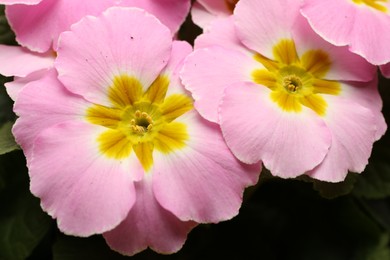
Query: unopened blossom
[(113, 144), (362, 25), (38, 26), (204, 12), (283, 95)]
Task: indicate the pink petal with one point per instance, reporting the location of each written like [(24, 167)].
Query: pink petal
[(14, 87), (202, 182), (255, 128), (148, 225), (85, 191), (98, 49), (38, 26), (172, 13), (385, 70), (18, 61), (262, 24), (367, 95), (222, 32), (353, 129), (180, 50), (345, 65), (218, 7), (201, 16), (347, 23), (41, 104), (207, 72), (26, 2)]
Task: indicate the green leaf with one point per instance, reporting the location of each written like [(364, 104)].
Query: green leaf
[(22, 222), (381, 251), (7, 140)]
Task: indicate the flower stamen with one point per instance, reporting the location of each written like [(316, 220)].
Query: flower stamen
[(292, 83), (141, 123)]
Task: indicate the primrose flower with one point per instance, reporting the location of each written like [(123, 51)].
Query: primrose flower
[(37, 28), (115, 147), (283, 95), (203, 12), (363, 25)]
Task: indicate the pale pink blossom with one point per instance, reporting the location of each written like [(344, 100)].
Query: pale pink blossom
[(362, 25), (113, 144), (284, 96)]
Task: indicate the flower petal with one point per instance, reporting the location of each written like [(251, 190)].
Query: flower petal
[(148, 225), (366, 94), (201, 16), (41, 104), (346, 23), (385, 70), (85, 191), (172, 13), (353, 129), (38, 26), (92, 55), (180, 50), (262, 24), (202, 181), (14, 87), (344, 65), (222, 32), (206, 73), (255, 128), (26, 2), (18, 61)]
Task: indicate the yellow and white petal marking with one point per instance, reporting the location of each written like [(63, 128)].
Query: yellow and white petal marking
[(376, 4), (296, 81), (140, 121)]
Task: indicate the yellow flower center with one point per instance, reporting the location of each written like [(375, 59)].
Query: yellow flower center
[(140, 121), (296, 81), (231, 4), (376, 4)]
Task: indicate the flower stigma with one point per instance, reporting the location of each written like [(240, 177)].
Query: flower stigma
[(141, 123), (292, 83)]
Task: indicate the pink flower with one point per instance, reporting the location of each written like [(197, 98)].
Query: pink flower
[(115, 145), (13, 2), (283, 95), (203, 12), (37, 27), (363, 25)]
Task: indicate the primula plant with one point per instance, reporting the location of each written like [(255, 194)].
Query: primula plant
[(250, 129)]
